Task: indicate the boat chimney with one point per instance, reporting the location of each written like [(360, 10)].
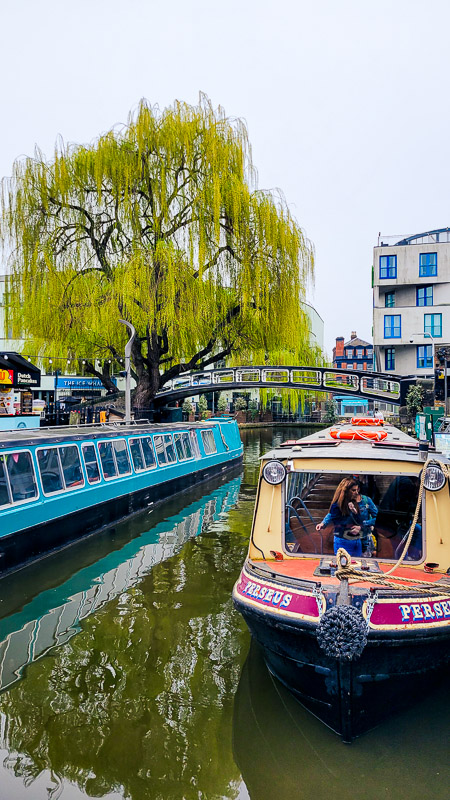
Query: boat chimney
[(423, 451)]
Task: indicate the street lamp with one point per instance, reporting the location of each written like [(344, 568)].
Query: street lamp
[(127, 369)]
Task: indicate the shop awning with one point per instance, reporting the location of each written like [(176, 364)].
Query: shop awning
[(18, 373)]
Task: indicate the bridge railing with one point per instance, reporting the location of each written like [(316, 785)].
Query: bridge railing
[(321, 378)]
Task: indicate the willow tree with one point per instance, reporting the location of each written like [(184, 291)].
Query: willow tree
[(159, 223)]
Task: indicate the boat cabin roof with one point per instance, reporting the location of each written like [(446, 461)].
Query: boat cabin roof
[(27, 437), (397, 446)]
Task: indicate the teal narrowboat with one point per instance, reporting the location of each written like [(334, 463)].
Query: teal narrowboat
[(60, 484)]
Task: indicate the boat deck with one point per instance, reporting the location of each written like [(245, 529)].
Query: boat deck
[(306, 569), (397, 446)]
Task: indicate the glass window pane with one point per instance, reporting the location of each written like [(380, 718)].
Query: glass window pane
[(208, 442), (187, 445), (160, 450), (4, 493), (123, 461), (91, 464), (170, 450), (136, 455), (106, 457), (385, 508), (179, 446), (149, 455), (50, 470), (71, 466)]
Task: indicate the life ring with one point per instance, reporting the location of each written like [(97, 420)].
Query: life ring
[(363, 433), (366, 421)]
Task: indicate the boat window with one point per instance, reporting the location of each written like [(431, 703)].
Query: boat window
[(147, 449), (187, 444), (50, 470), (136, 455), (107, 460), (194, 443), (91, 464), (122, 459), (71, 466), (4, 490), (208, 442), (179, 446), (369, 515), (160, 449), (170, 450), (21, 476)]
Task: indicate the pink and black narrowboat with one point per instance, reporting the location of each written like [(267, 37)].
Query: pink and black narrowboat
[(346, 585)]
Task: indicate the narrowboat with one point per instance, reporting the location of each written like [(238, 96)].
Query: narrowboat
[(60, 484), (346, 584)]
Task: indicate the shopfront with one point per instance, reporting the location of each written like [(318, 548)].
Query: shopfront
[(18, 377)]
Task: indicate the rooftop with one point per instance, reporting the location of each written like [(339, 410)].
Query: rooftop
[(437, 236)]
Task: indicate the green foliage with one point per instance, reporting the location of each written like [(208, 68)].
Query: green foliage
[(253, 409), (414, 399), (187, 406), (222, 403), (159, 223), (240, 404), (203, 406), (331, 411)]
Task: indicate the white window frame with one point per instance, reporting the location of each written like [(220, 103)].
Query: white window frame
[(117, 475), (15, 503), (97, 458), (65, 488)]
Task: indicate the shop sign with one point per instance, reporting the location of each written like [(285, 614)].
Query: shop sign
[(80, 383), (6, 377), (25, 379)]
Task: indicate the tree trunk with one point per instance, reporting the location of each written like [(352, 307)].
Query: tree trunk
[(148, 378)]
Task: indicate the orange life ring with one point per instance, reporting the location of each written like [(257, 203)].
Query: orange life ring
[(362, 433), (366, 421)]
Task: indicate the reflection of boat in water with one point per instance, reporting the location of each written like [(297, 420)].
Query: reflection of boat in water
[(53, 616), (353, 641), (282, 751), (60, 484)]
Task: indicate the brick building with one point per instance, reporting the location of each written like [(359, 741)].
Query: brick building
[(354, 354)]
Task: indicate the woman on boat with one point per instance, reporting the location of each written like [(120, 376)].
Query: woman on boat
[(345, 515)]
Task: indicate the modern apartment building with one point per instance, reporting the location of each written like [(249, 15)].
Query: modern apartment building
[(411, 301)]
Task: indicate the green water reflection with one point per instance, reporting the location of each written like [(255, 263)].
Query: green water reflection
[(138, 683)]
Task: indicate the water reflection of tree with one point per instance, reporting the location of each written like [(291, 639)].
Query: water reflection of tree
[(141, 700)]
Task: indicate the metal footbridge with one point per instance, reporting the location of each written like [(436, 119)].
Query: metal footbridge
[(356, 383)]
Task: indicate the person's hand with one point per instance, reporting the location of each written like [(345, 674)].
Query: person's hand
[(319, 526), (352, 508), (355, 529)]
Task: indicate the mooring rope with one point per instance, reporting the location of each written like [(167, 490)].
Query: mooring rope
[(346, 572)]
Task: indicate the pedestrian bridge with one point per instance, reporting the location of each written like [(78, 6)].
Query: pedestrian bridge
[(370, 385)]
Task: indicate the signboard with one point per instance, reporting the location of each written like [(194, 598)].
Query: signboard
[(443, 443), (80, 383), (6, 377), (26, 379)]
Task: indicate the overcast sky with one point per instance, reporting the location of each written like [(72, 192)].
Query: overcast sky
[(346, 102)]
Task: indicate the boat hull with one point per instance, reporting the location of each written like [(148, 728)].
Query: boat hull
[(351, 697), (34, 541)]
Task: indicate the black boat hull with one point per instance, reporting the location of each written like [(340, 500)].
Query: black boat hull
[(351, 697)]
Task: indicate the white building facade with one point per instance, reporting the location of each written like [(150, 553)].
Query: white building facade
[(411, 301)]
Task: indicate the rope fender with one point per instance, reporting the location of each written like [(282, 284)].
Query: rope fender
[(342, 633)]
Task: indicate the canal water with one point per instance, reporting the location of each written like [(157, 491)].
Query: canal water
[(127, 674)]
